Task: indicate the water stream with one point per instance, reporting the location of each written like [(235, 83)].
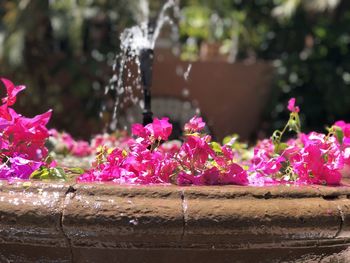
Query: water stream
[(126, 81)]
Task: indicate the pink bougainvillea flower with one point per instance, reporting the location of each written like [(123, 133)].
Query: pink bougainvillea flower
[(22, 141), (68, 141), (265, 164), (5, 172), (5, 114), (18, 168), (27, 136), (344, 139), (23, 168), (292, 107), (138, 130), (119, 139), (314, 159), (64, 143), (344, 126), (184, 178), (160, 129), (196, 151), (235, 175), (170, 147), (196, 124), (207, 177), (12, 91), (81, 149)]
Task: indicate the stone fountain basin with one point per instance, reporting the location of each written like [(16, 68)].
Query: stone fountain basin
[(67, 222)]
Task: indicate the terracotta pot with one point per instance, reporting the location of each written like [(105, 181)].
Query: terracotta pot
[(231, 97)]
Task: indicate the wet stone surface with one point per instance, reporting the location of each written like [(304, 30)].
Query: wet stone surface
[(56, 222)]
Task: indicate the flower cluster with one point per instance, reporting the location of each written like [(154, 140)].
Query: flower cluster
[(147, 160), (150, 158), (312, 158), (22, 140), (63, 143), (141, 162), (204, 162), (118, 139)]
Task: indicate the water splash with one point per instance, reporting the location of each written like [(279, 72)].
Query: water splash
[(132, 41)]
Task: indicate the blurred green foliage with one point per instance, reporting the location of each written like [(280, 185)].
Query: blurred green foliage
[(63, 51), (307, 41), (310, 50)]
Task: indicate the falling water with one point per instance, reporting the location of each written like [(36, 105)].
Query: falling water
[(186, 75), (187, 72), (133, 40)]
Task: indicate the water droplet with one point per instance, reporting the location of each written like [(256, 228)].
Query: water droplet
[(179, 71), (142, 104), (185, 92), (188, 71), (134, 222)]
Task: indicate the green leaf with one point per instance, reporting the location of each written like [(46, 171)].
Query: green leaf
[(57, 173), (281, 147), (289, 174), (294, 122), (76, 170), (339, 134), (38, 173), (230, 139), (216, 147), (276, 137), (49, 159), (45, 173)]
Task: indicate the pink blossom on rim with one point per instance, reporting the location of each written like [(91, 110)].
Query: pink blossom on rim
[(195, 124), (235, 175), (81, 149), (23, 168), (18, 168), (264, 164), (4, 114), (292, 107), (28, 135), (65, 143), (22, 141), (196, 151), (160, 129), (184, 178), (138, 130)]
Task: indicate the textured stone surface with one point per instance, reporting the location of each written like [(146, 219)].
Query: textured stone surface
[(239, 217), (18, 253), (43, 222), (119, 217), (31, 213)]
